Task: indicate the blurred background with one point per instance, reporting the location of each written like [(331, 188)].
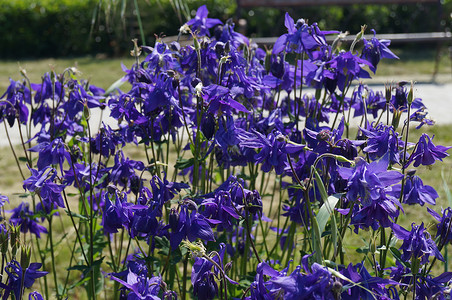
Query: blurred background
[(70, 28)]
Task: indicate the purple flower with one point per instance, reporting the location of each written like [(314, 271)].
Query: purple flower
[(35, 296), (14, 105), (51, 153), (300, 37), (78, 99), (42, 182), (376, 49), (124, 169), (364, 286), (115, 216), (426, 153), (365, 180), (272, 153), (201, 23), (202, 277), (25, 218), (141, 286), (365, 99), (381, 210), (221, 208), (383, 140), (417, 243), (415, 192), (443, 228), (316, 283), (3, 199), (347, 67), (14, 270), (190, 225)]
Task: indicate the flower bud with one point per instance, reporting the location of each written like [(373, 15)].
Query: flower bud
[(4, 238), (15, 239), (388, 92), (410, 94), (25, 255)]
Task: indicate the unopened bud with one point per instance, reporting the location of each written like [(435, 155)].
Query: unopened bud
[(86, 112), (228, 267), (25, 254), (388, 92), (410, 94)]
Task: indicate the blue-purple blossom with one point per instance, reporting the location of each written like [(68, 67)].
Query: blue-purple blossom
[(14, 271), (426, 153), (116, 215), (444, 227), (189, 225), (382, 140), (376, 49), (202, 275), (363, 285), (300, 37), (13, 103), (141, 286), (417, 243), (366, 180), (51, 153), (21, 215), (201, 23), (415, 192)]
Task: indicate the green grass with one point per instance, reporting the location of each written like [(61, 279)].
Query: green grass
[(416, 62), (100, 72)]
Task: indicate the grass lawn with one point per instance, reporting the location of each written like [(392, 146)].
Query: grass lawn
[(100, 72)]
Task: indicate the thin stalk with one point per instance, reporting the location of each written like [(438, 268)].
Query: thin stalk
[(14, 152), (140, 25), (52, 253)]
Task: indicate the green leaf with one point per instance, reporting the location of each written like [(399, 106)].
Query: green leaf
[(320, 185), (326, 211), (116, 85), (398, 256), (316, 241), (184, 163), (76, 215)]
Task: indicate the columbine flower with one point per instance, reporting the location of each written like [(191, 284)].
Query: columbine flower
[(140, 286), (417, 244), (381, 140), (426, 152), (415, 192), (116, 215), (189, 225), (14, 270), (53, 153), (365, 180), (376, 49), (364, 286), (201, 23), (300, 37), (25, 218), (443, 228)]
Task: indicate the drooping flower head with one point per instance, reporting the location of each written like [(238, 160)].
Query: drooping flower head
[(426, 153), (376, 49), (417, 243)]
